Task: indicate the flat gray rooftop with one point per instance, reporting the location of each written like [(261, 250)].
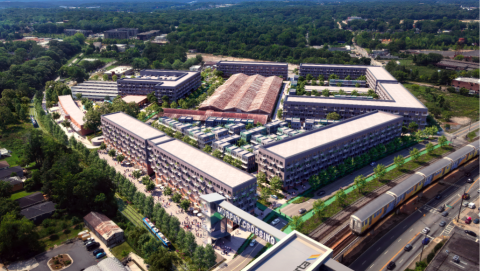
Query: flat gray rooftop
[(330, 133), (252, 63), (133, 125), (381, 74), (336, 89), (210, 165), (333, 66)]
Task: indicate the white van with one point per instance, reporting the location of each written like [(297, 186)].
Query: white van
[(471, 205)]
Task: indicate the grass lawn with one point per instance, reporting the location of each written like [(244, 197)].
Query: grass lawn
[(123, 249), (13, 139), (311, 221), (422, 70), (62, 237), (21, 194), (460, 106), (129, 212)]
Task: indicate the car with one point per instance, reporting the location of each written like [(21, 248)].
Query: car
[(442, 224), (96, 251), (88, 241), (471, 205), (438, 197), (100, 255), (469, 180), (444, 213), (471, 233), (441, 208), (426, 230), (301, 211), (468, 220), (408, 247), (476, 221), (274, 196), (253, 242), (275, 221), (456, 259), (92, 246), (465, 204), (391, 265), (478, 191), (320, 193), (373, 164), (466, 196)]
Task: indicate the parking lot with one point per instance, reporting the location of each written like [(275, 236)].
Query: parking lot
[(280, 224), (80, 256)]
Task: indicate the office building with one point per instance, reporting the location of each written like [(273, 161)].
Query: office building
[(174, 84), (147, 35), (245, 94), (251, 68), (184, 168), (70, 111), (96, 90), (471, 84), (121, 33), (295, 159)]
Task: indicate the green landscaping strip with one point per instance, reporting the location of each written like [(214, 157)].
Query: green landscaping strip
[(352, 188), (21, 194)]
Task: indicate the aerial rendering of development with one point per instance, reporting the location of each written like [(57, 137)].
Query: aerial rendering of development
[(236, 135)]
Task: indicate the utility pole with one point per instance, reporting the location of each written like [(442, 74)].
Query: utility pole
[(421, 253), (460, 208)]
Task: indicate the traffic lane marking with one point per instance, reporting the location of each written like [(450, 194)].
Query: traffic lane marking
[(397, 253)]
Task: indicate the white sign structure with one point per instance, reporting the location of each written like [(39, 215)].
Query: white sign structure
[(247, 226)]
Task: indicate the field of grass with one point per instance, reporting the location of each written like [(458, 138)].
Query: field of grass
[(129, 212), (422, 70), (13, 139), (311, 221), (62, 237), (21, 194), (122, 250), (460, 106)]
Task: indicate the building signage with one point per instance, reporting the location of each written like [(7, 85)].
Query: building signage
[(306, 264), (247, 226)]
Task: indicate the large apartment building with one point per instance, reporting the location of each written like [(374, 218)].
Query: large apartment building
[(251, 68), (184, 168), (121, 33), (96, 90), (295, 159), (174, 84), (393, 97)]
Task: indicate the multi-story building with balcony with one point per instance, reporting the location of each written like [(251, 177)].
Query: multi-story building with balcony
[(184, 168), (251, 68), (121, 33), (297, 158), (174, 84)]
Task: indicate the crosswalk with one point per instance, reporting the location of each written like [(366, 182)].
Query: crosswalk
[(433, 210), (448, 229)]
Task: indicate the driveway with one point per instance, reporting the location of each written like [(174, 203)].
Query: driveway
[(80, 256)]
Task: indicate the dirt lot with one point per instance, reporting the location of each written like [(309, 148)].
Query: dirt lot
[(211, 57)]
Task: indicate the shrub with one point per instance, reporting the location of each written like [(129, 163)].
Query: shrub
[(56, 262), (64, 224), (53, 237), (430, 257), (51, 230), (46, 223), (79, 226), (68, 262), (67, 231), (75, 220), (437, 247)]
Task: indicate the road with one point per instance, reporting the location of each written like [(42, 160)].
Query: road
[(284, 92), (391, 246), (461, 133), (244, 259), (292, 209)]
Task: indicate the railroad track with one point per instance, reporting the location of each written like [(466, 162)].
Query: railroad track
[(326, 234), (347, 241)]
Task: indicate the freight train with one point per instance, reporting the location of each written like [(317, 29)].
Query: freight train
[(367, 216)]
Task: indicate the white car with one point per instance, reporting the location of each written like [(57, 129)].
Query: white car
[(253, 242), (426, 230), (465, 203), (276, 221), (373, 164)]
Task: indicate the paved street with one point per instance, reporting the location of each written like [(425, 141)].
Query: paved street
[(80, 256), (391, 246), (244, 259), (458, 137), (292, 209)]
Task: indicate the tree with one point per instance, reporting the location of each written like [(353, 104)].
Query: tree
[(6, 189), (249, 126), (173, 105), (105, 77), (296, 223), (276, 183), (185, 204), (178, 135), (150, 186), (198, 257), (261, 179), (112, 153), (217, 153), (442, 140), (413, 126), (152, 98), (79, 96), (341, 197), (161, 260), (380, 171), (429, 147), (360, 182), (55, 115), (399, 161), (167, 191), (6, 117), (176, 198), (318, 206), (207, 149), (333, 116), (136, 174), (326, 93), (189, 243), (415, 154), (209, 256), (18, 237), (280, 113)]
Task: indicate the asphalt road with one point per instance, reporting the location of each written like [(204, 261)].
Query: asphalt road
[(461, 133), (391, 246), (292, 209), (244, 259), (80, 256)]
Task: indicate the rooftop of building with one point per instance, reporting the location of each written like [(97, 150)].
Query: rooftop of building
[(29, 200), (401, 98), (133, 125), (203, 115), (71, 108), (468, 80), (38, 209), (149, 32), (121, 29), (245, 93), (102, 224), (165, 78), (210, 165), (119, 70), (5, 173), (293, 251), (333, 65), (330, 133), (336, 89), (380, 73), (134, 98), (109, 264), (253, 63)]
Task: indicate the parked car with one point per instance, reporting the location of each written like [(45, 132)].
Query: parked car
[(442, 224), (301, 211), (96, 251), (468, 220), (456, 259), (391, 265), (253, 242), (320, 193), (438, 197), (426, 230), (408, 247), (471, 233), (274, 196), (465, 204), (466, 196), (469, 180), (88, 241), (476, 220), (275, 221), (100, 255), (471, 205), (92, 246), (444, 213), (373, 164), (441, 208)]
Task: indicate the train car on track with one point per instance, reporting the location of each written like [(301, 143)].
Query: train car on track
[(369, 214)]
